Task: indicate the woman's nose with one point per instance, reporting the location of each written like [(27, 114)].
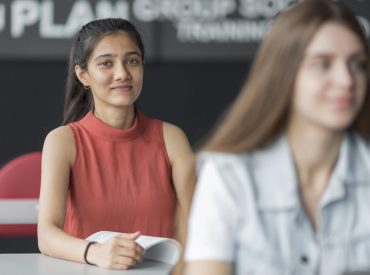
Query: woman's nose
[(121, 73), (344, 76)]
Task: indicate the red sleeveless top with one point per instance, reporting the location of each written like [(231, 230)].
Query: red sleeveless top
[(120, 180)]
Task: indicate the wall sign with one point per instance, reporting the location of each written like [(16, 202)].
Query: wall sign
[(172, 29)]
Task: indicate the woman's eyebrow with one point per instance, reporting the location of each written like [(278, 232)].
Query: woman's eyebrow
[(115, 55)]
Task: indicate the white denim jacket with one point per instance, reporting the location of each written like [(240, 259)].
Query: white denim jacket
[(247, 210)]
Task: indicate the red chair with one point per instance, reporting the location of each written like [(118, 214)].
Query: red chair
[(19, 193)]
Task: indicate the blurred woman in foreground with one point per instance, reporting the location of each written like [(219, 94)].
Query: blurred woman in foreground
[(284, 183)]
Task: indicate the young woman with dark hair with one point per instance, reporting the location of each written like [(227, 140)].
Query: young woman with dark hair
[(109, 167), (284, 181)]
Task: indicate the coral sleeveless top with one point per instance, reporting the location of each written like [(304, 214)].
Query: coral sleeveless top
[(120, 180)]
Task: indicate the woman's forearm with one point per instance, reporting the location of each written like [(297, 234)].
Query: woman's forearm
[(53, 241)]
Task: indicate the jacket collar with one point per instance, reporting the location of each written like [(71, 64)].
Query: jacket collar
[(352, 169), (276, 180), (274, 173)]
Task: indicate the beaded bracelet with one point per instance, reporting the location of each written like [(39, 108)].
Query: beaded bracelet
[(87, 250)]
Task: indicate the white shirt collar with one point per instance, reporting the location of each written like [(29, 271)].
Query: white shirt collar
[(274, 171)]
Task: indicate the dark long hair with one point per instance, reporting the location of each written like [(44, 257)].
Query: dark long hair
[(78, 101), (260, 113)]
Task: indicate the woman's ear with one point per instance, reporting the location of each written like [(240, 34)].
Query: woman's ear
[(81, 75)]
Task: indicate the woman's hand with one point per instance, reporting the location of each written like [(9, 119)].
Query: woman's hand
[(121, 252)]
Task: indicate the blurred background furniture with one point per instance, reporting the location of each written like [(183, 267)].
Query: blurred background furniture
[(19, 192)]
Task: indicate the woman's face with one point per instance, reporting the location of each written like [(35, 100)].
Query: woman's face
[(331, 82), (114, 71)]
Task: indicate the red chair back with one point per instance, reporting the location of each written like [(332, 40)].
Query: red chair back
[(20, 182)]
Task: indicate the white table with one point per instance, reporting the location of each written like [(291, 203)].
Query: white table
[(39, 264)]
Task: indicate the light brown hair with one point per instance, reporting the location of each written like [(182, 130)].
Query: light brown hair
[(261, 111)]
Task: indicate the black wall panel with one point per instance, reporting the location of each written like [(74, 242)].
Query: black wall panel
[(190, 95)]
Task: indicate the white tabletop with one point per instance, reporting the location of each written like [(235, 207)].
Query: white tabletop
[(39, 264), (18, 211)]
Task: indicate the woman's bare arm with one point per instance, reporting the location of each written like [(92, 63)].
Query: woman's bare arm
[(58, 156), (182, 161)]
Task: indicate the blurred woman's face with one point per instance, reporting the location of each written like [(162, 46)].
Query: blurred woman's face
[(330, 85)]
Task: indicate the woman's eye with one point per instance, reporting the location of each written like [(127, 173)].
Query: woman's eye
[(105, 64), (322, 64), (358, 65), (133, 61)]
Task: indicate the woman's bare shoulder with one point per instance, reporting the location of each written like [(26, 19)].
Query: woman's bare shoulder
[(60, 141), (62, 135)]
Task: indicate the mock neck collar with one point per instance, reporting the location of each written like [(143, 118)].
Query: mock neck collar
[(99, 128)]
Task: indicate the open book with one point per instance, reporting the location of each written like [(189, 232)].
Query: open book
[(164, 250)]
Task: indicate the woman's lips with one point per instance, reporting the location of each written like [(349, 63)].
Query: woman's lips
[(342, 102), (122, 88)]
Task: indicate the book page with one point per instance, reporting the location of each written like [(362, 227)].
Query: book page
[(160, 249), (102, 236), (156, 248)]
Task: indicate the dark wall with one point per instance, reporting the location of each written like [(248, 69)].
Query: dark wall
[(190, 95)]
